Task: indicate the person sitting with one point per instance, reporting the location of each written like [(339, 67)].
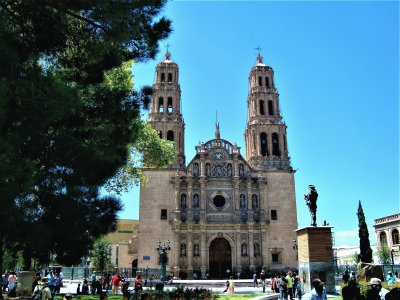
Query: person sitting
[(376, 292), (67, 296), (42, 291), (85, 288), (318, 292)]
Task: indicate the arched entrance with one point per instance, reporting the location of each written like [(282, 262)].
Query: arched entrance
[(220, 258)]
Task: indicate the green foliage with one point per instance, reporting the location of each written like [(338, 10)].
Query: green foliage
[(12, 260), (148, 150), (101, 254), (384, 255), (67, 117)]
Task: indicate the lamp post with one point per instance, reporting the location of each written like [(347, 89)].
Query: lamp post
[(116, 256), (163, 249), (391, 254)]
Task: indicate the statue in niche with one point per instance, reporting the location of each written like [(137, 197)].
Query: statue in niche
[(196, 170), (183, 201), (208, 170), (254, 201), (196, 201), (183, 249), (242, 201), (256, 249), (229, 170), (244, 249), (241, 170), (311, 201), (196, 250)]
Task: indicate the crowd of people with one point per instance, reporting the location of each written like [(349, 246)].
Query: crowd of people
[(352, 289)]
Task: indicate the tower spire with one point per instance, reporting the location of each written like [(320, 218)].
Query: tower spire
[(217, 133)]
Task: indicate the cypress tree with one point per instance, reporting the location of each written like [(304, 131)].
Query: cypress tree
[(365, 248)]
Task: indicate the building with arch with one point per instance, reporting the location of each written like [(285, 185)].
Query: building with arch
[(387, 234), (220, 211)]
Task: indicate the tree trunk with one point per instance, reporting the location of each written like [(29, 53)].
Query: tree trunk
[(27, 255), (1, 264)]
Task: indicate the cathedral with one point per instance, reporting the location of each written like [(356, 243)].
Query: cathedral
[(220, 211)]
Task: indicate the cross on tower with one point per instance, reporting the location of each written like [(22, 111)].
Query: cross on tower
[(167, 54), (259, 57), (258, 49)]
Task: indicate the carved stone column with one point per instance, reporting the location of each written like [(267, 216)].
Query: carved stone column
[(264, 248), (238, 248), (251, 245), (249, 193), (203, 248), (190, 252)]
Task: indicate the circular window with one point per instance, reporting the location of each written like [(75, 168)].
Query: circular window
[(219, 201)]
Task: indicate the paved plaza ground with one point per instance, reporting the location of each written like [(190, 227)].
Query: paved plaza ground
[(242, 286)]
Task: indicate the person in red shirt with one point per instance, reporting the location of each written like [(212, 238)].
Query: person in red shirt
[(116, 279)]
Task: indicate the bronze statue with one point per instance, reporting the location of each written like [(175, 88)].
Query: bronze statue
[(311, 201)]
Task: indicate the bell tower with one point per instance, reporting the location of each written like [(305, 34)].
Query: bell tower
[(165, 113), (265, 134)]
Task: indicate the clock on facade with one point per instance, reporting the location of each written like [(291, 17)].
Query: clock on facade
[(218, 155)]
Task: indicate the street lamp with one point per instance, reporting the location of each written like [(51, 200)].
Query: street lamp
[(163, 249), (391, 254), (116, 255)]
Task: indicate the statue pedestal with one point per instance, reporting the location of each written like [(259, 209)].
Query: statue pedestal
[(316, 256)]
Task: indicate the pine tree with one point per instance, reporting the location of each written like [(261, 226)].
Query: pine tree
[(365, 248)]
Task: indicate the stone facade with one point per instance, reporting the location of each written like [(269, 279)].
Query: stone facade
[(387, 234), (220, 211)]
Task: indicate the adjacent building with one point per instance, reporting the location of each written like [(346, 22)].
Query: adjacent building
[(220, 211), (124, 244), (387, 234)]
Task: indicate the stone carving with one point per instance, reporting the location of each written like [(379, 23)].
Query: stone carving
[(229, 170), (311, 201), (256, 249), (183, 249), (242, 201), (208, 170), (196, 250), (244, 249), (241, 170), (254, 201), (196, 170), (196, 201), (219, 170), (183, 201)]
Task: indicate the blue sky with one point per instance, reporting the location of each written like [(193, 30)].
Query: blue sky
[(337, 71)]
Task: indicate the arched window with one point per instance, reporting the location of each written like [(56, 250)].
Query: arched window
[(183, 201), (170, 135), (160, 134), (264, 144), (242, 200), (262, 111), (267, 82), (162, 77), (169, 105), (270, 108), (383, 239), (196, 201), (395, 237), (259, 81), (169, 77), (254, 201), (275, 145), (161, 104)]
